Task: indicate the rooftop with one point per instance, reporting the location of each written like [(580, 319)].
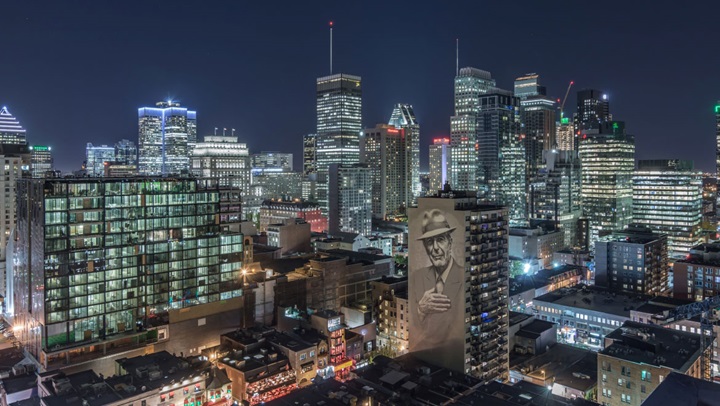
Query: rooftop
[(634, 234), (84, 388), (19, 383), (542, 278), (158, 369), (289, 342), (517, 317), (523, 393), (594, 298), (358, 256), (683, 390), (653, 345)]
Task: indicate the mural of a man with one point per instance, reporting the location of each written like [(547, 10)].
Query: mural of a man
[(438, 288)]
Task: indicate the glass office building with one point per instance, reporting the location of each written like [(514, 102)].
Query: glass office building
[(166, 138), (96, 257), (607, 160), (11, 132), (41, 160), (667, 197)]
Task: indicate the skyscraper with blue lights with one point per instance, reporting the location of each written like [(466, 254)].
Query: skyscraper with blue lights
[(166, 135)]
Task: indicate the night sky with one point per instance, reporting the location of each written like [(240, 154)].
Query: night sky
[(76, 72)]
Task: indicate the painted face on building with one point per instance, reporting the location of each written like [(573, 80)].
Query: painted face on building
[(439, 249)]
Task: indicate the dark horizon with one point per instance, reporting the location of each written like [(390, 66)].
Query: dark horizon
[(77, 75)]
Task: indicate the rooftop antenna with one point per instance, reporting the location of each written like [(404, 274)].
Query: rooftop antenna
[(331, 28), (215, 133), (224, 129), (457, 56), (233, 132)]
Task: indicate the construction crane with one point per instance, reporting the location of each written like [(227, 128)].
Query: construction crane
[(704, 310), (567, 92)]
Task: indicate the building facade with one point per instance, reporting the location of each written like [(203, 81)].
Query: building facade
[(339, 121), (459, 253), (667, 197), (470, 84), (11, 132), (15, 161), (608, 162), (384, 150), (272, 161), (114, 253), (697, 276), (501, 154), (222, 158), (439, 161), (403, 117), (276, 211), (633, 260), (350, 199), (167, 134), (41, 160), (95, 158)]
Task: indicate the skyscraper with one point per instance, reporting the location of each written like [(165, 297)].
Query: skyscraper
[(272, 161), (384, 150), (554, 192), (667, 197), (593, 109), (470, 84), (458, 251), (41, 160), (339, 121), (566, 135), (125, 152), (165, 133), (223, 158), (309, 158), (15, 164), (717, 152), (537, 121), (439, 160), (529, 86), (350, 198), (501, 155), (95, 158), (403, 117), (607, 157), (11, 132)]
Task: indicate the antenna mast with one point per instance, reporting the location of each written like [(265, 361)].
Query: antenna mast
[(331, 28), (457, 56)]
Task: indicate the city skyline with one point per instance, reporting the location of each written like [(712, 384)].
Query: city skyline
[(253, 45)]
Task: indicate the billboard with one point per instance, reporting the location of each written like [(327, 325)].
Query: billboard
[(436, 282)]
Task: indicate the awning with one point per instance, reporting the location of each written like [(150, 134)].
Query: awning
[(346, 364)]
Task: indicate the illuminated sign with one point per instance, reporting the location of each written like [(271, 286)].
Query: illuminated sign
[(564, 120), (40, 148)]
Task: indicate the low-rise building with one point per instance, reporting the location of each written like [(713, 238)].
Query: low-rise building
[(390, 296), (526, 287), (539, 243), (634, 260), (586, 314), (291, 236), (274, 211), (638, 357), (683, 390), (697, 277)]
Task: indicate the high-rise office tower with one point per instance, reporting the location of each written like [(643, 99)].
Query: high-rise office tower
[(108, 254), (607, 157), (339, 121), (96, 157), (501, 155), (223, 158), (41, 160), (272, 161), (537, 121), (125, 152), (458, 250), (667, 197), (165, 133), (470, 84), (554, 192), (439, 161), (384, 150), (529, 86), (14, 165), (593, 109), (11, 132), (309, 158), (350, 198), (566, 135), (403, 117)]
